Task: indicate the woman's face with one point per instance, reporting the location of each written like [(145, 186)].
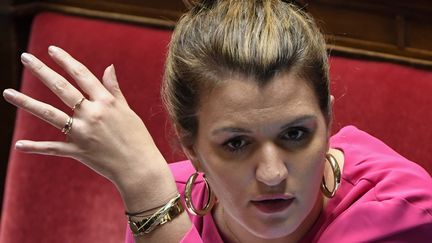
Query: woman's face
[(262, 150)]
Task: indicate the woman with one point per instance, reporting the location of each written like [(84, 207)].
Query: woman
[(246, 86)]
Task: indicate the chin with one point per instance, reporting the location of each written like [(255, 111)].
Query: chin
[(272, 234), (270, 231)]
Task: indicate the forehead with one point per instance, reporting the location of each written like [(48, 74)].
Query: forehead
[(240, 94)]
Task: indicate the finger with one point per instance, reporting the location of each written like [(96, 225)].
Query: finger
[(47, 147), (54, 81), (80, 73), (46, 112), (110, 82)]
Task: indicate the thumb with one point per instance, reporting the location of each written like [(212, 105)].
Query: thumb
[(110, 82)]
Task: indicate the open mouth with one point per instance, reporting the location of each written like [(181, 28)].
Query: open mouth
[(272, 205)]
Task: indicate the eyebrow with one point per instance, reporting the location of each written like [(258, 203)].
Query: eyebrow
[(295, 122), (230, 129), (299, 120)]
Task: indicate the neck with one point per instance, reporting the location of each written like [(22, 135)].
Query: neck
[(231, 237)]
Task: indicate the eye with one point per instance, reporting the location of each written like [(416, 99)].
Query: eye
[(236, 144), (295, 134)]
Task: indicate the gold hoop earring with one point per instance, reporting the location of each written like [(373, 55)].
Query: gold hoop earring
[(336, 177), (188, 198)]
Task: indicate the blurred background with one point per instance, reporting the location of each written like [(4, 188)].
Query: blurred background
[(383, 30)]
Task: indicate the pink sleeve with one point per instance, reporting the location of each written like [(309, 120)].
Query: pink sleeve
[(390, 220), (129, 237), (192, 236)]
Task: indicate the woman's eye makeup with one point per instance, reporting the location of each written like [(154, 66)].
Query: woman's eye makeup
[(290, 136), (236, 144), (296, 134), (293, 136)]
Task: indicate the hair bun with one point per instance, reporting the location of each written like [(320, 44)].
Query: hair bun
[(190, 4)]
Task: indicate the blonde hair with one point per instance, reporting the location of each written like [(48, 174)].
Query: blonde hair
[(253, 38)]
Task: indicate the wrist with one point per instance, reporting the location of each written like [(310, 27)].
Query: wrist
[(164, 214), (145, 187)]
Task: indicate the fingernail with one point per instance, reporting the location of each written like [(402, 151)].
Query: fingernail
[(19, 145), (26, 58), (9, 93), (52, 49)]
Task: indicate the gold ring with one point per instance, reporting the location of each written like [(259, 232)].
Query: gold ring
[(77, 105), (68, 126)]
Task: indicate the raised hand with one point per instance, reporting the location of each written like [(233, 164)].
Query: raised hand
[(103, 133)]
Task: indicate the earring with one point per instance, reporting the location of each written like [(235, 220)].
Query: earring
[(188, 196), (336, 177)]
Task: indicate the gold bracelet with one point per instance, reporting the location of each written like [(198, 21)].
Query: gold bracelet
[(165, 214)]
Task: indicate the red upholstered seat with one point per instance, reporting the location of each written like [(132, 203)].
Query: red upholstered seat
[(51, 199), (390, 101)]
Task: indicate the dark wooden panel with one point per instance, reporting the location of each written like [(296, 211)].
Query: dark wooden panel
[(396, 31), (355, 24), (125, 11), (419, 35)]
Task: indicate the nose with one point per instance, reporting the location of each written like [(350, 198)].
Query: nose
[(271, 169)]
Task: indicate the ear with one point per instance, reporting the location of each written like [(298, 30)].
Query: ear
[(332, 99), (193, 156), (188, 149), (330, 122)]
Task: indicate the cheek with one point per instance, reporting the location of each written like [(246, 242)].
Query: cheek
[(308, 170), (315, 174), (227, 180)]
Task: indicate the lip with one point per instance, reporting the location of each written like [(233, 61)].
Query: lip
[(275, 203)]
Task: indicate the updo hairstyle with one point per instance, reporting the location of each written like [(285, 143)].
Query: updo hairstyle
[(256, 39)]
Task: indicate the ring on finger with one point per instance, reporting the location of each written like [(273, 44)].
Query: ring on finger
[(68, 126), (78, 104)]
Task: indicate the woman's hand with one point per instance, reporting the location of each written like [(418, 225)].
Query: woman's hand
[(106, 135)]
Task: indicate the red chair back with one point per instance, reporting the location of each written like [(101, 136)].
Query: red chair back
[(50, 199)]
